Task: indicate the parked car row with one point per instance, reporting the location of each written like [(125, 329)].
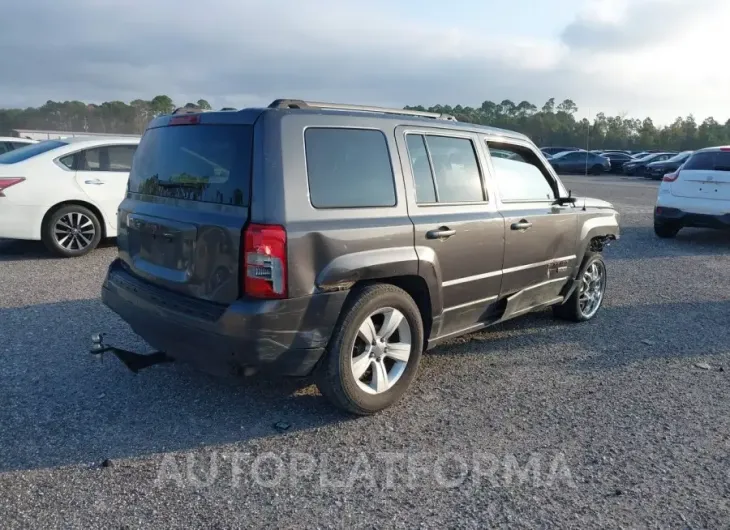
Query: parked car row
[(649, 164)]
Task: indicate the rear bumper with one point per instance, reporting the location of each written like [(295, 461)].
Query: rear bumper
[(688, 219), (282, 337), (18, 221)]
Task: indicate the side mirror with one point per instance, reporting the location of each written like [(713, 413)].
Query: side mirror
[(562, 201)]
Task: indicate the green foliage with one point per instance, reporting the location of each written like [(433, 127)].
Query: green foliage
[(555, 124), (109, 117), (552, 124)]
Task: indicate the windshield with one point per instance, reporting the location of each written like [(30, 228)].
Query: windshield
[(680, 157), (29, 151)]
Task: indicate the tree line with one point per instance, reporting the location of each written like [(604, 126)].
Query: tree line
[(552, 124), (556, 124)]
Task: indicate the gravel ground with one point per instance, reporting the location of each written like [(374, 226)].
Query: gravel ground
[(535, 423)]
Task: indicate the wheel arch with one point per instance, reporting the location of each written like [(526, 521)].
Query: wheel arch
[(94, 209), (417, 273), (415, 286)]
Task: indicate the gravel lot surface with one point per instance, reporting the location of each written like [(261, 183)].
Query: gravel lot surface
[(612, 423)]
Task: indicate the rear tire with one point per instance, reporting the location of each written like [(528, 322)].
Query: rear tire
[(356, 349), (587, 298), (71, 231), (666, 230)]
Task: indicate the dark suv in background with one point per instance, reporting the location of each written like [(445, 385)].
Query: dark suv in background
[(343, 241)]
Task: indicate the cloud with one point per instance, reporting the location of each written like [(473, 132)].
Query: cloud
[(610, 25), (250, 52)]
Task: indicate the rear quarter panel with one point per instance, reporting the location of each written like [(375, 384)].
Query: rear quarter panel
[(328, 249)]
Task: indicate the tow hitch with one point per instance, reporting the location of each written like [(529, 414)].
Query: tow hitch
[(134, 361)]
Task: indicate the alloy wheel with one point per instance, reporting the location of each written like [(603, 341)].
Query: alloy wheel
[(381, 350), (592, 287), (74, 231)]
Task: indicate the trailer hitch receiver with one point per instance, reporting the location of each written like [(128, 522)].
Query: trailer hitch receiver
[(132, 360)]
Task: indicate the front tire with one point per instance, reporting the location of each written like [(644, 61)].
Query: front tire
[(374, 352), (587, 298), (71, 231), (597, 170)]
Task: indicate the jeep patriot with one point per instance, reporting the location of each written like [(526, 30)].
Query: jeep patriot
[(342, 241)]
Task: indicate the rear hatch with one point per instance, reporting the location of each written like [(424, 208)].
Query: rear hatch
[(705, 175), (189, 189)]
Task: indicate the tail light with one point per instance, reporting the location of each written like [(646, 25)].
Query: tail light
[(264, 261), (670, 177), (5, 183)]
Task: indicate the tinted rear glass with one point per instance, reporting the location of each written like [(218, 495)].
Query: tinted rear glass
[(205, 163), (707, 161), (349, 168), (29, 151)]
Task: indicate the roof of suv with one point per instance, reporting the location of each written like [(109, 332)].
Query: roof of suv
[(286, 106)]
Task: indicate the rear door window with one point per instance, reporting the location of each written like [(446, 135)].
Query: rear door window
[(445, 169), (349, 168), (107, 158), (709, 161), (204, 163)]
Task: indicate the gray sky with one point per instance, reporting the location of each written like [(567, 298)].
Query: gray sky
[(661, 58)]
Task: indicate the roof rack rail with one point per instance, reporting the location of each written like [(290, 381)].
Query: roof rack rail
[(300, 104)]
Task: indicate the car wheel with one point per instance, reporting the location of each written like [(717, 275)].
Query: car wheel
[(71, 231), (556, 168), (666, 230), (597, 169), (587, 298), (374, 351)]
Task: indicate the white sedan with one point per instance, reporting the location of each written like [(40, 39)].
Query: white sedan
[(65, 192)]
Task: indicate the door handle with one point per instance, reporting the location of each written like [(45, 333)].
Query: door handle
[(443, 232), (95, 181), (522, 225)]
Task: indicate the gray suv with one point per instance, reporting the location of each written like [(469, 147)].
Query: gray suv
[(342, 241)]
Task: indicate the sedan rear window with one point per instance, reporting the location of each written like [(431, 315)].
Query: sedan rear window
[(29, 151), (707, 161), (204, 163)]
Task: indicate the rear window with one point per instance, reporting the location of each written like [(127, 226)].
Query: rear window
[(349, 168), (29, 151), (204, 163), (707, 161)]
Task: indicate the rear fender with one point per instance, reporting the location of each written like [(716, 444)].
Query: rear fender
[(344, 271)]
